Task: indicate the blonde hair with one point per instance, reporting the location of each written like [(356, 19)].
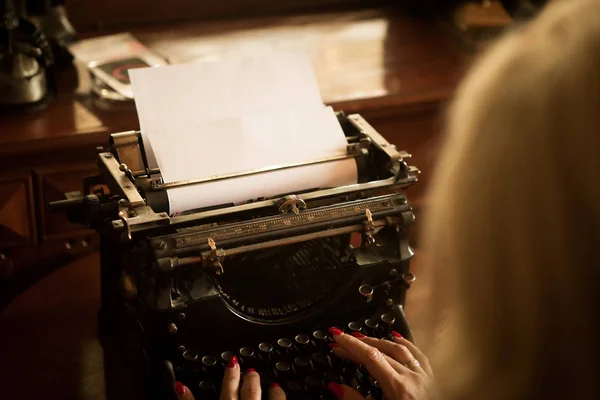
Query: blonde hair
[(513, 225)]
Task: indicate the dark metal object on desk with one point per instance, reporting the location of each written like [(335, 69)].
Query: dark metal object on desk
[(261, 278), (33, 39)]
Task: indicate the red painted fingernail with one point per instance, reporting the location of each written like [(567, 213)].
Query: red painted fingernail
[(336, 389), (399, 336), (358, 335), (274, 385), (232, 362), (334, 345), (335, 331), (250, 370), (179, 388)]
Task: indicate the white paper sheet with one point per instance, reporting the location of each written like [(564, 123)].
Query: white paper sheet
[(236, 115)]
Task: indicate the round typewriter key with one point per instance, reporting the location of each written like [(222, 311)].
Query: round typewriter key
[(319, 361), (282, 369), (265, 347), (348, 374), (302, 340), (246, 352), (207, 388), (320, 335), (247, 357), (354, 326), (294, 387), (364, 390), (282, 366), (285, 346), (209, 361), (313, 384), (301, 365), (303, 344), (371, 327), (265, 351), (225, 356), (190, 355), (387, 322), (321, 339)]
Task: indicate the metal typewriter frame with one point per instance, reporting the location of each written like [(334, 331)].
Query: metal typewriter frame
[(168, 247)]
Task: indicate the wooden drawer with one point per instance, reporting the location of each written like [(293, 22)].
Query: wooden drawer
[(53, 184), (17, 216)]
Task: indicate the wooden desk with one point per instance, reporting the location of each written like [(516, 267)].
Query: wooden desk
[(48, 343)]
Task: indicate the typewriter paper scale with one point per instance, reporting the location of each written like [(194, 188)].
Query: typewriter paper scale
[(237, 115)]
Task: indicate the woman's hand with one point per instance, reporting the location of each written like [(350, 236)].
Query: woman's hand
[(400, 368), (230, 388)]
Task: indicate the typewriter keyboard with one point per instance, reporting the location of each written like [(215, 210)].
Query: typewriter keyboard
[(302, 365)]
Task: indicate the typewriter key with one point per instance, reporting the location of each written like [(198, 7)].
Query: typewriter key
[(265, 352), (282, 369), (321, 339), (209, 361), (302, 343), (313, 384), (301, 366), (387, 322), (285, 346), (247, 358), (371, 327), (190, 355), (225, 356), (294, 388), (364, 390), (207, 389), (319, 362), (355, 326), (348, 373)]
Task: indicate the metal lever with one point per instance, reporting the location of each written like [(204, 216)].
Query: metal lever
[(124, 168), (369, 227), (215, 257), (123, 219)]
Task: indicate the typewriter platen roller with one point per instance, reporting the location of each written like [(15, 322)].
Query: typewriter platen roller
[(262, 280)]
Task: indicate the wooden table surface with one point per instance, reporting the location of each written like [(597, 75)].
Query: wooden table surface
[(48, 343), (374, 61)]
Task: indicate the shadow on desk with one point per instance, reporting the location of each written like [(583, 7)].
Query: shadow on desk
[(48, 340)]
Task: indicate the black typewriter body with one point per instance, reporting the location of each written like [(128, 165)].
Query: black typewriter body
[(262, 281)]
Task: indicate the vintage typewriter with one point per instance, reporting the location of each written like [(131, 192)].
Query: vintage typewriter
[(262, 281)]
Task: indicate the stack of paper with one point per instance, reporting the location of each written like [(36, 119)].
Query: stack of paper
[(236, 115)]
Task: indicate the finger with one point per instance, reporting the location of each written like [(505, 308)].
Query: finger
[(370, 357), (231, 380), (276, 392), (422, 358), (183, 392), (343, 392), (397, 352), (251, 386), (343, 354)]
